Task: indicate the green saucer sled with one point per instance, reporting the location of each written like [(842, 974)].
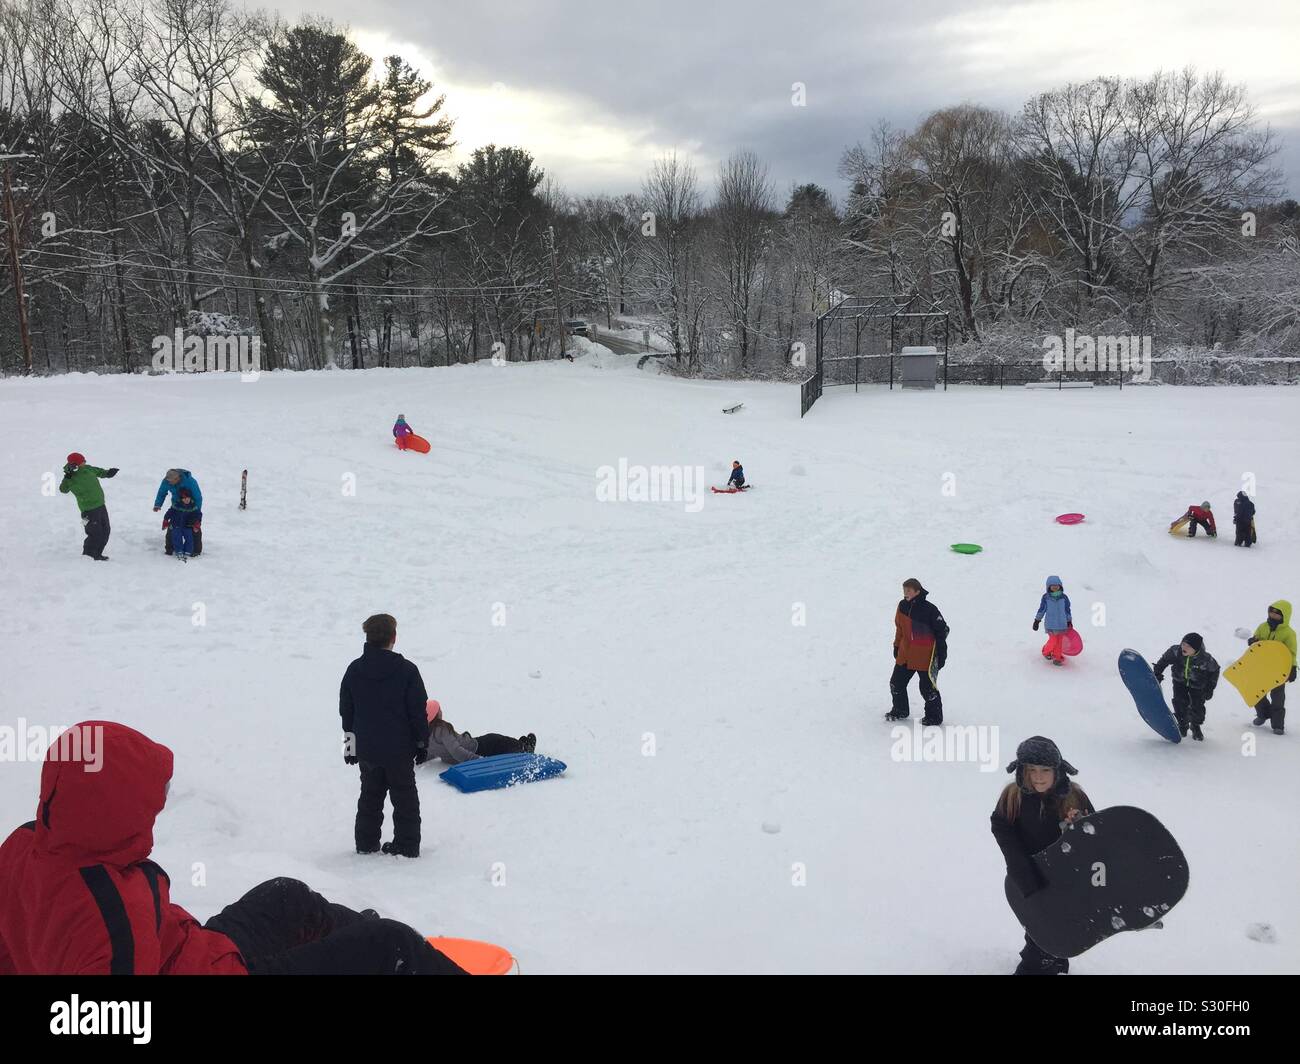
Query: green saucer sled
[(967, 548)]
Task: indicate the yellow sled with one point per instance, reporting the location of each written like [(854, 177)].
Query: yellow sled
[(1179, 525), (1265, 665)]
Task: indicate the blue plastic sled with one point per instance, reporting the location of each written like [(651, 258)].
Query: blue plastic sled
[(1150, 700), (503, 770)]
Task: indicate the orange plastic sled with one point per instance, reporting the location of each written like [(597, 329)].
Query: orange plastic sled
[(477, 958), (412, 442)]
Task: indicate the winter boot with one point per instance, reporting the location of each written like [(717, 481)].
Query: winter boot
[(895, 714), (1278, 729), (394, 850), (1196, 732)]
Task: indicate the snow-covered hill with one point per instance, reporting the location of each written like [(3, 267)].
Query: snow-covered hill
[(718, 750)]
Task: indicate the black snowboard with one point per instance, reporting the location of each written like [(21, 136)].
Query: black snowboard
[(1117, 870)]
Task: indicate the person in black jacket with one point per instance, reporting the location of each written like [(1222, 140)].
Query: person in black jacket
[(1028, 818), (382, 703), (1196, 674), (1243, 519), (921, 649)]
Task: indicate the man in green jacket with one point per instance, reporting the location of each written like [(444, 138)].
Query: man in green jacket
[(1272, 707), (83, 481)]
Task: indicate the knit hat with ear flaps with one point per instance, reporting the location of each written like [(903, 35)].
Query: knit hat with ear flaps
[(1037, 750)]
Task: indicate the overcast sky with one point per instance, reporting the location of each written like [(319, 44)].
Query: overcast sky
[(597, 90)]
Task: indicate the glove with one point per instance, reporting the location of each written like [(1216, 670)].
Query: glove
[(940, 658), (421, 754), (1069, 624), (1035, 624), (112, 472), (1160, 677), (1251, 640), (166, 522), (156, 509), (349, 759), (196, 526), (69, 469)]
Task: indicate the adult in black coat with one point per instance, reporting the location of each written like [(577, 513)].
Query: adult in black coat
[(1027, 819), (1243, 520), (382, 702)]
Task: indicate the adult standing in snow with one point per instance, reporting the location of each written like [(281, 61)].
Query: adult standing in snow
[(1272, 707), (382, 702), (1028, 818), (184, 516), (1243, 520), (1054, 606), (921, 649), (82, 481), (79, 895), (1196, 674)]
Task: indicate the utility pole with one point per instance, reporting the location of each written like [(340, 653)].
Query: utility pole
[(12, 220), (555, 282)]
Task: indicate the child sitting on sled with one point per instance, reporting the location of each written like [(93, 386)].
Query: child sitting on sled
[(453, 747), (737, 479), (1196, 674), (1054, 606)]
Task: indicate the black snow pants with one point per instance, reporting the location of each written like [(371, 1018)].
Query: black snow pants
[(491, 744), (97, 529), (1272, 707), (898, 681), (398, 783), (283, 927), (1245, 534), (1189, 706), (1192, 526), (1033, 961)]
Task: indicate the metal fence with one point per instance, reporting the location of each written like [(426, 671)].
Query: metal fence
[(810, 391)]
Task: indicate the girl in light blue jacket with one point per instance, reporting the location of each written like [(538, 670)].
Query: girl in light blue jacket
[(1054, 607)]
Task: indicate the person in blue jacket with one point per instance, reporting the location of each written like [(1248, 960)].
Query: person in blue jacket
[(183, 517), (737, 479), (1054, 607)]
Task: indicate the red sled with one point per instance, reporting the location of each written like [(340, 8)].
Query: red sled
[(412, 442), (730, 491)]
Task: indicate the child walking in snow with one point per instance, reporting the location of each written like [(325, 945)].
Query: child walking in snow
[(1029, 817), (1196, 674), (1271, 709), (1054, 607), (401, 430), (453, 747)]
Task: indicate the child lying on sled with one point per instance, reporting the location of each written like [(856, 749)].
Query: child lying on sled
[(453, 747)]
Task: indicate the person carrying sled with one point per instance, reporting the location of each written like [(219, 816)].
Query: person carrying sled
[(1243, 520), (920, 649), (82, 482), (401, 431), (1196, 674), (1272, 707), (737, 478), (1029, 817), (183, 517), (80, 896), (1054, 608), (454, 747), (1200, 515), (382, 703)]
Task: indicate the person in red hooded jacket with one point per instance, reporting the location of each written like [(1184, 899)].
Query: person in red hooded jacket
[(79, 895)]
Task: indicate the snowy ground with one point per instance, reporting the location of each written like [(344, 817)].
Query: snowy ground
[(632, 620)]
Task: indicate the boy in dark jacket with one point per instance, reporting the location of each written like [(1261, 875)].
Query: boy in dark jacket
[(1243, 520), (1028, 818), (82, 481), (382, 703), (80, 896), (1196, 674), (737, 478), (920, 649)]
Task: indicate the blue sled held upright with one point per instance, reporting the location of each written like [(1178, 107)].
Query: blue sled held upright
[(503, 770)]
